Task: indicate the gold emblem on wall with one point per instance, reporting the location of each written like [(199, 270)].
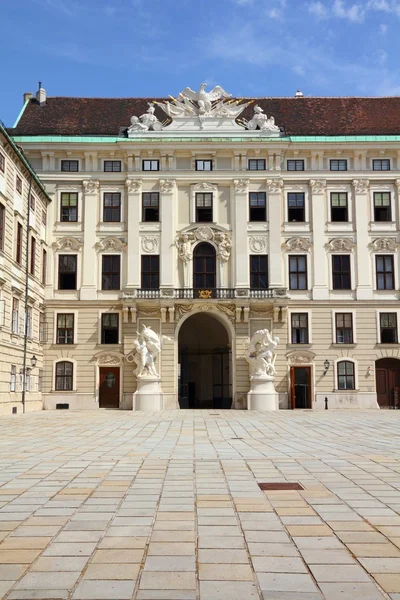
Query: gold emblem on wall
[(205, 294)]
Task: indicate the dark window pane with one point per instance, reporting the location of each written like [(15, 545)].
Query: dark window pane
[(150, 271), (256, 164)]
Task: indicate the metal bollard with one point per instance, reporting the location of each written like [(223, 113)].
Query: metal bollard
[(326, 402)]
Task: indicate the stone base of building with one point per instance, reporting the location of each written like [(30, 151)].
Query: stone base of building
[(345, 400), (71, 401), (15, 407)]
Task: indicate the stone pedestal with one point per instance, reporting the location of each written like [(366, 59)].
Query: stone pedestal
[(262, 395), (148, 395)]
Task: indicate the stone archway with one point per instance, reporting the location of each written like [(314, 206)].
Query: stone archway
[(205, 363), (387, 375)]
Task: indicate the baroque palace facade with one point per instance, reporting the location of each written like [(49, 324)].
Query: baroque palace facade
[(207, 219)]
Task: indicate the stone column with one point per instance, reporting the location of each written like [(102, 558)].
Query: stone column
[(320, 289), (274, 216), (88, 289), (240, 255), (361, 219), (168, 258), (134, 206)]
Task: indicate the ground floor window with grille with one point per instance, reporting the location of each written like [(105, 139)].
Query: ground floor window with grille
[(388, 328), (345, 374), (299, 322), (64, 376), (109, 328)]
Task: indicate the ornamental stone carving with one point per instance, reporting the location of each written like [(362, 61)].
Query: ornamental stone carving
[(146, 122), (241, 185), (274, 186), (205, 187), (90, 186), (167, 185), (300, 358), (257, 243), (261, 354), (361, 186), (318, 186), (68, 244), (111, 244), (397, 182), (340, 245), (133, 185), (184, 242), (384, 245), (224, 246), (297, 244), (204, 233), (108, 359), (229, 310), (262, 122), (149, 243)]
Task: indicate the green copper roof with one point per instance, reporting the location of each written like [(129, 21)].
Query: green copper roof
[(21, 112)]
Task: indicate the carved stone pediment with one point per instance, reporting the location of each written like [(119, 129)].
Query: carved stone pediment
[(67, 244), (110, 244), (241, 185), (109, 358), (149, 243), (184, 242), (300, 358), (384, 245), (167, 185), (90, 186), (361, 186), (297, 244), (340, 245), (318, 186), (204, 186), (133, 185), (258, 243), (274, 186)]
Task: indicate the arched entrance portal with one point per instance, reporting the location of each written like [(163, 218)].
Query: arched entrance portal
[(205, 363), (387, 371)]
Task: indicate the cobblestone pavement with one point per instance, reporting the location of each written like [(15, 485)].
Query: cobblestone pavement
[(120, 505)]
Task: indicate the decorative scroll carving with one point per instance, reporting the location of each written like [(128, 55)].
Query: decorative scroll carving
[(205, 187), (167, 185), (108, 359), (361, 186), (274, 186), (340, 245), (318, 186), (300, 358), (257, 243), (90, 186), (384, 245), (133, 185), (229, 310), (149, 243), (241, 185), (297, 244), (111, 244), (68, 244)]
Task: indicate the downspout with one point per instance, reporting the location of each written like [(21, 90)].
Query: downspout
[(26, 299)]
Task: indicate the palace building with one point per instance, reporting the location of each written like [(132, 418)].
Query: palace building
[(208, 218)]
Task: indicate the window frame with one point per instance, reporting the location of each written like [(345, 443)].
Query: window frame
[(152, 273), (13, 378), (114, 274), (379, 326), (260, 273), (113, 163), (32, 258), (376, 207), (32, 203), (15, 315), (339, 207), (336, 327), (112, 208), (346, 375), (204, 210), (203, 161), (60, 273), (65, 161), (44, 266), (69, 207), (262, 209), (18, 185), (70, 376), (376, 161), (341, 274), (108, 328), (257, 161), (386, 274), (295, 161), (153, 162), (2, 226), (151, 207), (298, 273), (298, 196), (300, 328), (339, 161), (69, 332), (2, 163), (19, 243)]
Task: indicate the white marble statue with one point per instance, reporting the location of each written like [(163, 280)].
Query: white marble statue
[(261, 354), (147, 346), (205, 99), (146, 122), (261, 121), (224, 247), (184, 245)]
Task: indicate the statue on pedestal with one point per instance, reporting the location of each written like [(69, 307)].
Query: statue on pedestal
[(261, 354), (147, 345)]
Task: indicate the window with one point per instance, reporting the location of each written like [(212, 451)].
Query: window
[(32, 202), (13, 379), (344, 328), (151, 165), (256, 164), (388, 328), (296, 207), (111, 272), (29, 323), (109, 328), (15, 316), (258, 271), (40, 380), (2, 226), (32, 263), (69, 207), (150, 206), (338, 165), (339, 210), (112, 166), (341, 273), (67, 266), (18, 185), (382, 206), (18, 254), (384, 272), (44, 266), (299, 323), (204, 207), (65, 329), (203, 165), (2, 163), (150, 272), (70, 165), (295, 165), (345, 375), (42, 328), (298, 272), (112, 207), (64, 376), (381, 164), (44, 217), (257, 206), (204, 267)]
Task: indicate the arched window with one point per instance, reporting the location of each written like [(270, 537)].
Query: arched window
[(204, 267), (64, 376), (345, 375)]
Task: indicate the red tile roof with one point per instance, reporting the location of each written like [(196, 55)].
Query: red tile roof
[(298, 116)]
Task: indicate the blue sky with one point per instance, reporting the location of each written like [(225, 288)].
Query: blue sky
[(122, 48)]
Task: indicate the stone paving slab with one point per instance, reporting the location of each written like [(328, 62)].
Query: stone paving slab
[(115, 505)]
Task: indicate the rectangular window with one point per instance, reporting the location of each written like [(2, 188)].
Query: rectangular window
[(384, 272), (150, 206), (112, 166), (29, 323), (338, 165), (44, 217), (204, 207), (67, 267), (69, 207), (32, 263), (112, 207), (109, 328), (2, 163), (388, 327), (32, 202), (150, 272), (382, 206), (111, 272), (299, 324), (2, 226), (15, 316), (203, 165), (42, 328), (18, 185), (344, 328), (296, 207), (64, 376), (65, 329), (257, 206), (381, 164), (151, 165), (70, 165), (258, 271), (18, 253), (40, 380), (298, 272), (256, 164), (341, 272), (44, 267), (295, 165), (13, 379), (339, 209)]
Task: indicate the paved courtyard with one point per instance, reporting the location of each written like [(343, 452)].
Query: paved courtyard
[(121, 505)]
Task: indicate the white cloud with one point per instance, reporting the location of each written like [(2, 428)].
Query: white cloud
[(318, 9), (352, 12), (383, 28), (299, 70), (381, 56)]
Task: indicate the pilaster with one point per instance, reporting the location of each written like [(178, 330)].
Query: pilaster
[(364, 276), (274, 188), (168, 258), (134, 191), (240, 255), (320, 290), (88, 289)]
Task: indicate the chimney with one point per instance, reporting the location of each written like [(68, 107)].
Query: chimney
[(41, 94), (299, 94), (27, 96)]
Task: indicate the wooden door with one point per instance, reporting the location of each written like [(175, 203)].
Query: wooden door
[(109, 387), (387, 372), (300, 387)]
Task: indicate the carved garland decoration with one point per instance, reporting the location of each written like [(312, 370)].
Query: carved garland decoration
[(274, 186), (149, 243), (340, 245), (111, 244), (361, 186), (68, 244), (297, 244), (384, 245), (300, 358), (257, 243)]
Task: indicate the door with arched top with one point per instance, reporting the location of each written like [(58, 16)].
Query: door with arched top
[(204, 268)]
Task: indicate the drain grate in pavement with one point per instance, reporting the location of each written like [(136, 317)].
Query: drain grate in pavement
[(280, 486)]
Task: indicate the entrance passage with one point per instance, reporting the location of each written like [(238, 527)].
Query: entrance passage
[(300, 378), (109, 387), (205, 372), (388, 382)]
